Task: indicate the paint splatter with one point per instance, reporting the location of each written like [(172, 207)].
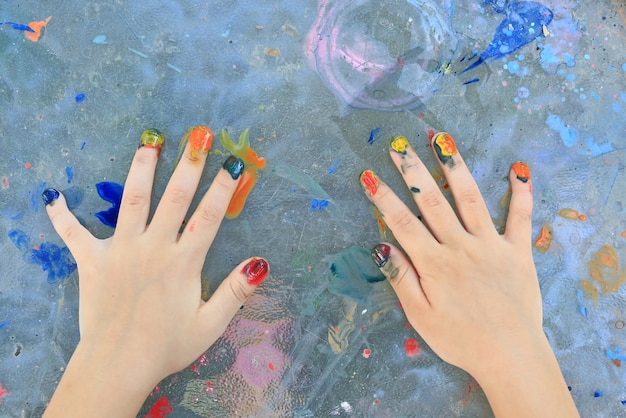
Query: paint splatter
[(56, 261), (253, 163), (373, 135), (604, 269), (366, 353), (112, 193), (543, 242), (160, 409), (3, 393), (354, 274), (69, 171), (571, 214), (334, 165), (80, 97), (38, 29), (412, 348), (523, 24), (18, 26), (319, 204), (568, 135)]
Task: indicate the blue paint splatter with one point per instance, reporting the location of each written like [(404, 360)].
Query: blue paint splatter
[(354, 274), (56, 261), (334, 166), (80, 97), (35, 196), (523, 24), (82, 147), (4, 324), (70, 173), (473, 80), (373, 135), (596, 149), (581, 306), (100, 39), (624, 402), (112, 193), (598, 394), (569, 135), (615, 353), (319, 204), (18, 26)]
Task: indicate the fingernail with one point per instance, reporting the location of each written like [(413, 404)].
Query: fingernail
[(369, 182), (152, 138), (445, 148), (200, 140), (49, 196), (234, 165), (256, 271), (380, 254), (399, 144), (522, 172)]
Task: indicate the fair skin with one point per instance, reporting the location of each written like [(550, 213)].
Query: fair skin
[(471, 293)]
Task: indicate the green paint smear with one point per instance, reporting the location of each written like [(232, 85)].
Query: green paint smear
[(354, 274)]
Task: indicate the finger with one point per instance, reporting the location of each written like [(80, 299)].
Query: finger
[(470, 204), (519, 219), (403, 278), (205, 221), (79, 241), (215, 315), (135, 206), (182, 186), (434, 208), (406, 227)]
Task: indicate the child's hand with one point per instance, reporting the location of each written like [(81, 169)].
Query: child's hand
[(141, 314), (472, 294)]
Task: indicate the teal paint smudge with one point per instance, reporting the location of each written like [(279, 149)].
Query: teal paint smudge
[(354, 274)]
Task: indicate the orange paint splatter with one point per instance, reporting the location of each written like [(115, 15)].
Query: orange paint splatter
[(542, 244), (271, 366), (3, 392), (604, 269), (623, 232), (253, 163), (39, 29), (571, 214)]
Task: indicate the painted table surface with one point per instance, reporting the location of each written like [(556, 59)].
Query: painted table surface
[(323, 88)]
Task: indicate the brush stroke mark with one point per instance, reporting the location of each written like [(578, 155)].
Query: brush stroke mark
[(112, 193), (18, 26), (373, 135), (524, 22), (56, 261), (69, 171), (253, 164), (354, 274)]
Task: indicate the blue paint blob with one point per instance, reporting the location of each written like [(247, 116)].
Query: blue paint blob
[(70, 173), (472, 81), (82, 147), (112, 193), (4, 324), (569, 135), (523, 24), (523, 92), (100, 39), (597, 394), (56, 261), (624, 67), (334, 166), (615, 353), (373, 135), (513, 67), (35, 196), (319, 204), (18, 26), (354, 274), (80, 97)]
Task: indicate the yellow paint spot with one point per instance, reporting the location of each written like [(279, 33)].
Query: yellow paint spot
[(39, 29), (604, 269), (542, 244), (546, 32)]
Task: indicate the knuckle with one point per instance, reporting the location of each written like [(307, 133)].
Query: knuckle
[(469, 197), (403, 219), (239, 291), (132, 198), (179, 196), (432, 199), (524, 215), (210, 214)]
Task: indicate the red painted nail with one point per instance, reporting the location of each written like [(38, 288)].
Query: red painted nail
[(256, 270)]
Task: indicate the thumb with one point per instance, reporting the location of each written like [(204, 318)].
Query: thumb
[(215, 315), (403, 277), (73, 234)]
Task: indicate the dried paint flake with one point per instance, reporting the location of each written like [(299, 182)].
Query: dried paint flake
[(272, 52), (542, 244)]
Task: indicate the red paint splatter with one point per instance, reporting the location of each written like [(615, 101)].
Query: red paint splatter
[(271, 366), (192, 227), (376, 401), (431, 134), (366, 353), (3, 392), (160, 409), (412, 347), (5, 182), (209, 388), (28, 165)]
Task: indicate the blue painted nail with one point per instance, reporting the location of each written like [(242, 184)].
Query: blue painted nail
[(49, 196)]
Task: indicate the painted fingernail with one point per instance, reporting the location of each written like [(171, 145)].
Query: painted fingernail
[(152, 138), (256, 271), (522, 172), (49, 196), (399, 144), (369, 182), (234, 165), (200, 139), (445, 148), (380, 254)]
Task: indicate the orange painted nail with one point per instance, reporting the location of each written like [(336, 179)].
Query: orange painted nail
[(369, 182)]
